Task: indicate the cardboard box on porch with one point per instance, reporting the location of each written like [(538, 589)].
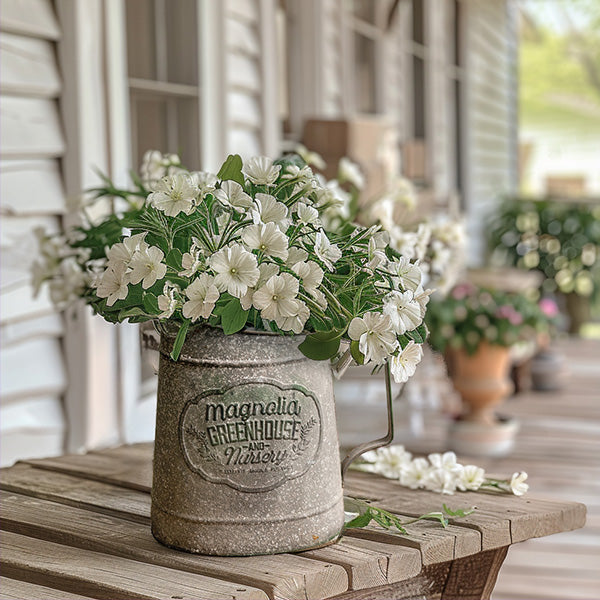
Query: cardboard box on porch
[(368, 141)]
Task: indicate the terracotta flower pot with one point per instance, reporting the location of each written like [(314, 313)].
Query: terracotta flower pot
[(482, 380)]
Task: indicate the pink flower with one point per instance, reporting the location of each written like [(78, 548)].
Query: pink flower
[(508, 312), (548, 307), (462, 290)]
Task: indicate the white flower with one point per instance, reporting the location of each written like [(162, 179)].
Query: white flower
[(146, 266), (446, 462), (404, 312), (174, 194), (441, 481), (296, 255), (310, 273), (114, 284), (167, 302), (296, 321), (470, 478), (389, 461), (266, 270), (122, 252), (204, 181), (203, 295), (403, 365), (152, 168), (423, 237), (350, 171), (236, 268), (517, 483), (303, 175), (376, 339), (404, 242), (422, 297), (232, 194), (415, 473), (268, 210), (310, 158), (267, 239), (276, 298), (191, 262), (326, 251), (260, 170), (408, 274), (307, 214), (69, 283), (382, 211)]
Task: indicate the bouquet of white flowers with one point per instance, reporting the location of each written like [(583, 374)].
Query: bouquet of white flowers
[(244, 248)]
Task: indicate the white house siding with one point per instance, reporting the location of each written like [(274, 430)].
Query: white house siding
[(251, 103), (490, 114), (33, 378)]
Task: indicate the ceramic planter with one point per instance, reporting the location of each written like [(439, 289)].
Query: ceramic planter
[(246, 455), (482, 380)]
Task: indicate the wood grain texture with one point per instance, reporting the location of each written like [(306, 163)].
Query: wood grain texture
[(103, 498), (107, 577), (281, 576), (133, 474), (434, 543), (13, 589), (370, 563)]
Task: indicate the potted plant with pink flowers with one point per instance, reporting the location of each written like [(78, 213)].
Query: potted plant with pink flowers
[(476, 328)]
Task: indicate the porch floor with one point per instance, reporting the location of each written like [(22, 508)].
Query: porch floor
[(558, 445)]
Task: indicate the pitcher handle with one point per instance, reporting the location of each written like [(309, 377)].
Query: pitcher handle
[(384, 441)]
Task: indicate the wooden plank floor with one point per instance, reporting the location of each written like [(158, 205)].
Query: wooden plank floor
[(559, 447)]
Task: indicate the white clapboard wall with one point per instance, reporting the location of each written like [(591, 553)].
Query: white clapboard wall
[(33, 376), (490, 115), (251, 101)]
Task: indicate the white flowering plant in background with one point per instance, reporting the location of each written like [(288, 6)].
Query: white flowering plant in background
[(439, 243), (246, 247), (439, 473)]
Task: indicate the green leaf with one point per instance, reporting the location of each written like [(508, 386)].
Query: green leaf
[(232, 169), (357, 355), (459, 512), (414, 335), (174, 258), (180, 339), (150, 302), (233, 317), (321, 345), (135, 311), (359, 521)]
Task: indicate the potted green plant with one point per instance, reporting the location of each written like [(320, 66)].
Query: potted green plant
[(559, 239), (476, 328), (251, 296)]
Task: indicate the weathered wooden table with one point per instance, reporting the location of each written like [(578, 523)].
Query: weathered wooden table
[(78, 527)]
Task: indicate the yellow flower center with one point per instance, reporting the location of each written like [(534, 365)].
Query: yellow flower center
[(233, 271)]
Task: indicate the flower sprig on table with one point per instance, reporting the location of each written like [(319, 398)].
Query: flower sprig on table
[(243, 248), (438, 472), (360, 513)]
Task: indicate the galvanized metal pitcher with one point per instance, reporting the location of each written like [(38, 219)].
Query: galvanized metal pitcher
[(246, 456)]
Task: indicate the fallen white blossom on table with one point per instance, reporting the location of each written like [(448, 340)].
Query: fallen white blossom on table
[(438, 472)]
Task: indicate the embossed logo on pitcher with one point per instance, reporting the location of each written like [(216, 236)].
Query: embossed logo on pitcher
[(252, 436)]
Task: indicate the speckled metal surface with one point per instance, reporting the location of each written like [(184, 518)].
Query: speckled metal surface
[(246, 457)]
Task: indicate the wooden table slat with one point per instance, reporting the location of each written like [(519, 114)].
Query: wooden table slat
[(13, 589), (108, 577), (72, 490), (369, 563), (281, 576)]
